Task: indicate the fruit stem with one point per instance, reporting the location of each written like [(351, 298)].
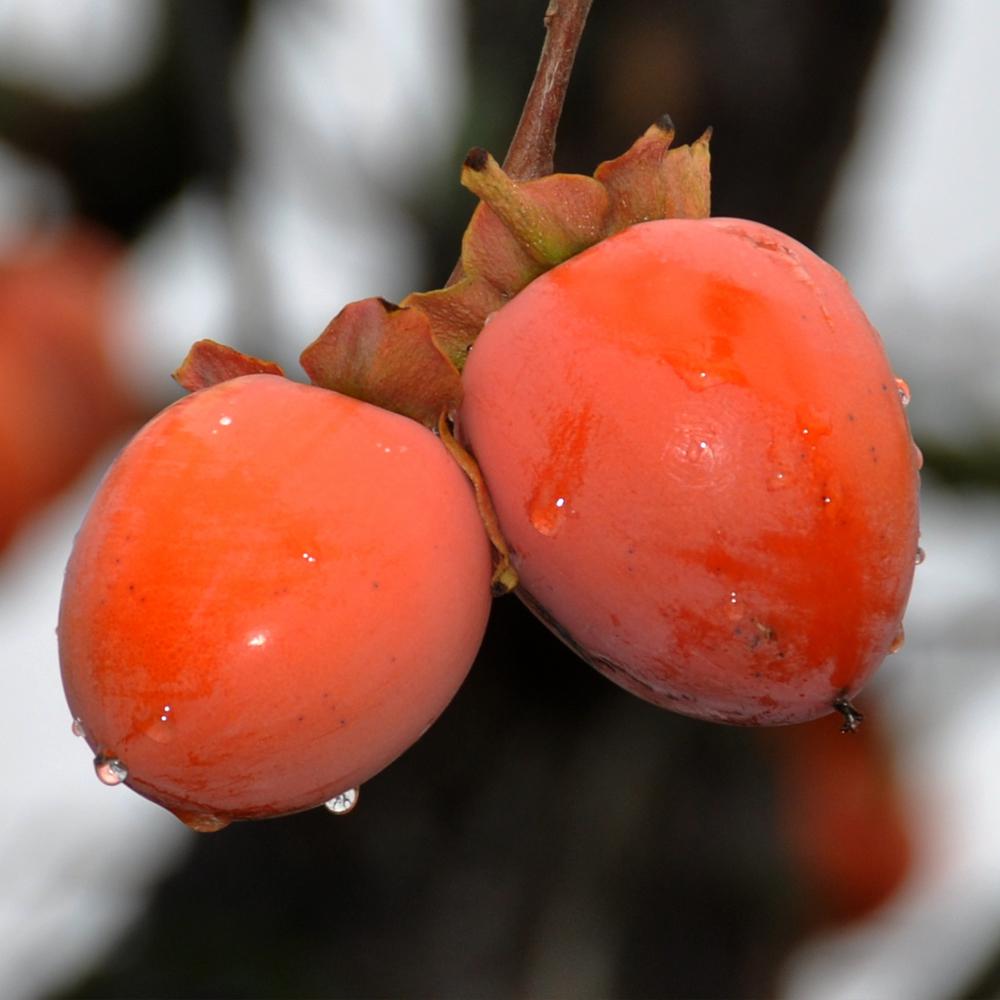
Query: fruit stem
[(532, 149), (504, 575)]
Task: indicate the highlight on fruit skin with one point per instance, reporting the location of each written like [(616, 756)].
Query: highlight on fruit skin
[(699, 456), (275, 592)]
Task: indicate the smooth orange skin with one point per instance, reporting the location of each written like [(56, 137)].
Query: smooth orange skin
[(301, 577), (698, 452)]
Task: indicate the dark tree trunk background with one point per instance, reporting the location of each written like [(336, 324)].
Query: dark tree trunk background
[(551, 835)]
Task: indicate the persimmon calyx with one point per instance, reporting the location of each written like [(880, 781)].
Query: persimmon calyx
[(504, 578), (207, 363), (381, 353), (408, 358)]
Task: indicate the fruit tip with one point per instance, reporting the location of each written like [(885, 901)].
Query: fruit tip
[(852, 717)]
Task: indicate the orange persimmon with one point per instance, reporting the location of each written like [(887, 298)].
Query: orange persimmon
[(276, 590), (699, 455)]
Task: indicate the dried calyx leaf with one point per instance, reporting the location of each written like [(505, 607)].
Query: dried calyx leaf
[(409, 358), (208, 363), (382, 354)]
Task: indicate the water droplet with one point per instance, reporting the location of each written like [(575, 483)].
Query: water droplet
[(813, 422), (920, 556), (827, 500), (110, 770), (547, 517), (904, 391), (897, 642), (918, 457), (203, 822), (257, 639), (343, 803), (779, 481), (733, 609), (308, 557), (77, 727), (161, 729), (560, 474)]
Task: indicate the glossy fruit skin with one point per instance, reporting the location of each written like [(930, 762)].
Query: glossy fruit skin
[(698, 452), (276, 590)]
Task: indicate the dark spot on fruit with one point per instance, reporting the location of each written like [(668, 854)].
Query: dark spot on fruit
[(615, 620), (300, 718), (852, 717), (374, 584)]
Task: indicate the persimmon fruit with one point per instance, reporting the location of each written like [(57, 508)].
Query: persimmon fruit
[(60, 399), (698, 453), (275, 591), (844, 817)]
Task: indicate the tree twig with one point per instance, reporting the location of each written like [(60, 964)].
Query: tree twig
[(532, 149)]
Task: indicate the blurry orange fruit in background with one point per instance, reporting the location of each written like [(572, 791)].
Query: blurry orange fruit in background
[(59, 397)]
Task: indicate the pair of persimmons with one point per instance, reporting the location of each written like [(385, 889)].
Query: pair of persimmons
[(696, 451)]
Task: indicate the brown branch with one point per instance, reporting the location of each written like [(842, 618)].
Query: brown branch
[(532, 149)]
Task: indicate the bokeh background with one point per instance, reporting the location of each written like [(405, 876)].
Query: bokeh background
[(240, 170)]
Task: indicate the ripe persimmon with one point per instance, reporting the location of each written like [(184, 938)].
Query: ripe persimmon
[(60, 399), (699, 455), (276, 590)]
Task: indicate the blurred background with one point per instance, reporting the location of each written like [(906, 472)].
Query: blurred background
[(240, 170)]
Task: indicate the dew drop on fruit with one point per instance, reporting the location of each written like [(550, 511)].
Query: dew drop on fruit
[(546, 516), (778, 480), (918, 457), (920, 556), (733, 609), (202, 822), (110, 770), (77, 727), (813, 422), (161, 728), (904, 391), (343, 803), (897, 642)]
